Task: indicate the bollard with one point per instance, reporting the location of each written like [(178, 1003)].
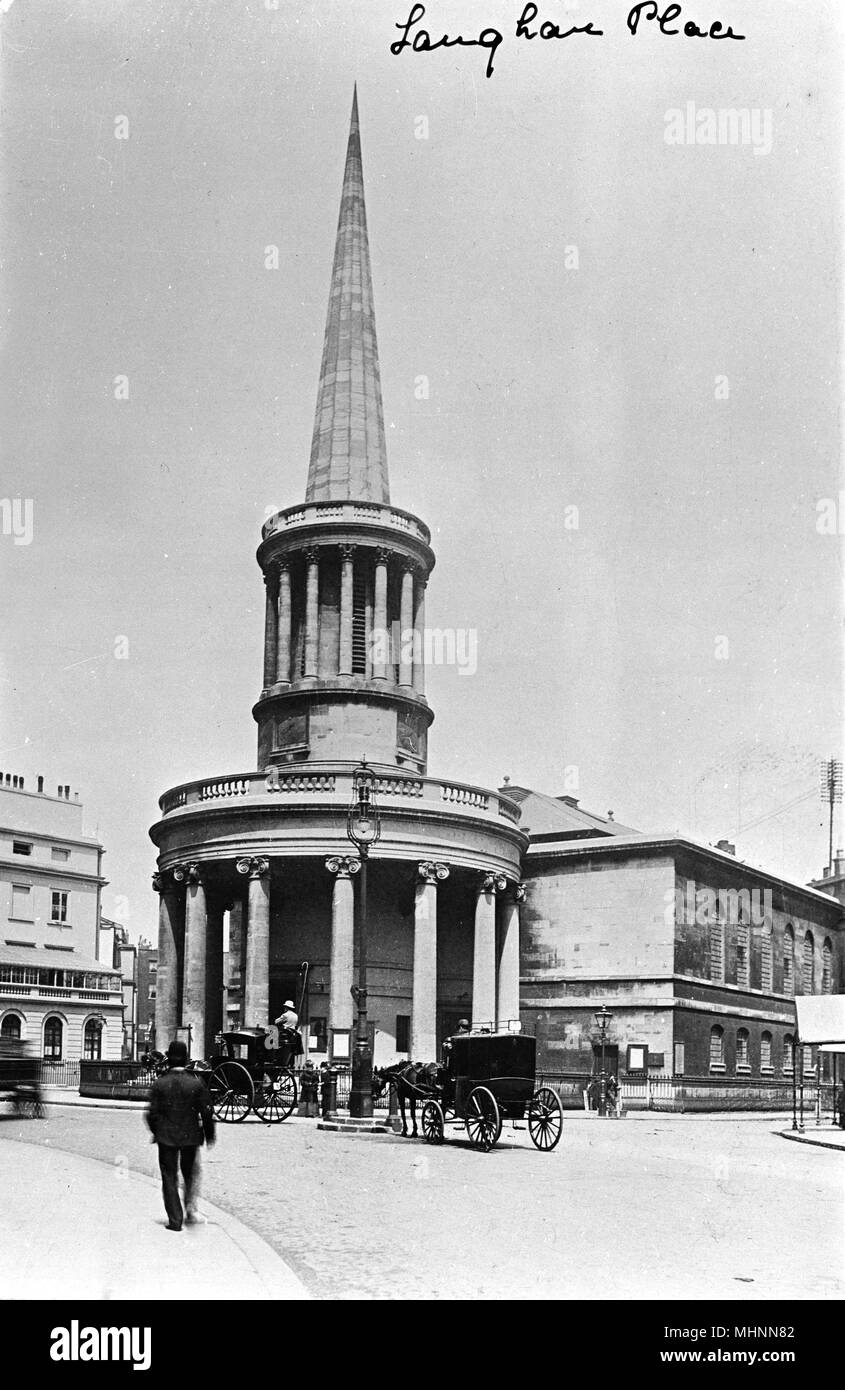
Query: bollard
[(328, 1094)]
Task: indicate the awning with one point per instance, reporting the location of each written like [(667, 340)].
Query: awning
[(53, 959), (821, 1021)]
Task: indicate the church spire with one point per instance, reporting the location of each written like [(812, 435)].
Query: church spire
[(348, 450)]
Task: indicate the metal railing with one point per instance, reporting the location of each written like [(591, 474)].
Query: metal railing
[(63, 1074)]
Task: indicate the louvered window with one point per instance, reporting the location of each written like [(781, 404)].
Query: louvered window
[(807, 963), (359, 622)]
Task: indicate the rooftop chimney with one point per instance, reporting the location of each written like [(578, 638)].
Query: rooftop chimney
[(726, 847), (41, 784), (839, 862)]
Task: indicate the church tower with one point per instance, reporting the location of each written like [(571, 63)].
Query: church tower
[(345, 572)]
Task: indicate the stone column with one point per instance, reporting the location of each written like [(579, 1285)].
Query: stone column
[(257, 973), (419, 639), (214, 970), (507, 1003), (343, 938), (406, 628), (344, 664), (171, 940), (380, 630), (312, 614), (284, 628), (424, 1006), (484, 952), (196, 945), (271, 629)]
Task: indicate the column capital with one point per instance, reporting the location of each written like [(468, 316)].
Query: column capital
[(343, 865), (189, 873), (383, 554), (491, 883), (431, 872), (280, 565), (518, 892), (312, 554), (347, 552), (271, 576), (255, 867)]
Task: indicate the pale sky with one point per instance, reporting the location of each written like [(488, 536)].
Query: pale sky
[(683, 647)]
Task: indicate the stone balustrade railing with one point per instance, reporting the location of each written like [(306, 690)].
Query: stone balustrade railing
[(333, 782), (372, 513)]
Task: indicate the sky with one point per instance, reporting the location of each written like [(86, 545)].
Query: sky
[(611, 370)]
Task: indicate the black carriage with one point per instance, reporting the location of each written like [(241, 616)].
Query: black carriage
[(488, 1078), (20, 1079), (247, 1073)]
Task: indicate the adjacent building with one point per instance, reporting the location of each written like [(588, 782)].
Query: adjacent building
[(55, 993)]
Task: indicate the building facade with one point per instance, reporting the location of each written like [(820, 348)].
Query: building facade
[(255, 868), (55, 994)]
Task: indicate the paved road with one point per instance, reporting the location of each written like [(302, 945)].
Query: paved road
[(666, 1208)]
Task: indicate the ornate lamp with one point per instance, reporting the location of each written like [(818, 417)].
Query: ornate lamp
[(603, 1017), (363, 828)]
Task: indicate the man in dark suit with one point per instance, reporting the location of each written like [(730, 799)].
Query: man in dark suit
[(181, 1118)]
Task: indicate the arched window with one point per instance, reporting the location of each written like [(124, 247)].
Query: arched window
[(743, 1062), (10, 1027), (92, 1043), (827, 966), (788, 1053), (788, 960), (766, 1052), (717, 1048), (807, 964), (53, 1039)]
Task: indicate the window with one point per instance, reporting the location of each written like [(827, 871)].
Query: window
[(21, 902), (827, 966), (742, 960), (403, 1032), (743, 1057), (807, 964), (153, 967), (92, 1042), (318, 1035), (151, 992), (58, 905), (766, 960), (788, 960), (766, 1052), (53, 1039), (717, 1048), (788, 1052), (60, 854), (10, 1027), (717, 950), (21, 847)]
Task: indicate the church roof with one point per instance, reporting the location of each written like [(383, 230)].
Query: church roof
[(348, 449), (560, 817)]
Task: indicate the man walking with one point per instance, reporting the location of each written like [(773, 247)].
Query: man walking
[(181, 1118)]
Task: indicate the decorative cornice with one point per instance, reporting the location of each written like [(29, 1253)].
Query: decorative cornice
[(343, 865), (431, 872), (255, 867)]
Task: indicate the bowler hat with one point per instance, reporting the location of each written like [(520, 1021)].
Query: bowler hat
[(177, 1053)]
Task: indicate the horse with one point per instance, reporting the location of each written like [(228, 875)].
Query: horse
[(413, 1081)]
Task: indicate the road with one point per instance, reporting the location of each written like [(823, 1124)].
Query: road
[(668, 1208)]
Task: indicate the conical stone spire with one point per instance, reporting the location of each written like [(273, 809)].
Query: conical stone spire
[(348, 450)]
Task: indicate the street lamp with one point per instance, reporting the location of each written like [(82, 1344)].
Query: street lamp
[(603, 1017), (363, 828)]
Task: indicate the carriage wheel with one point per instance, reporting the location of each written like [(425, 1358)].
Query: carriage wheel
[(545, 1118), (232, 1092), (432, 1122), (275, 1097), (483, 1119)]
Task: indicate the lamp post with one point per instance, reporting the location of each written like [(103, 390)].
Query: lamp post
[(363, 828), (603, 1017)]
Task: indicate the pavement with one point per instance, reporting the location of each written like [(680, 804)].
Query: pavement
[(50, 1197)]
